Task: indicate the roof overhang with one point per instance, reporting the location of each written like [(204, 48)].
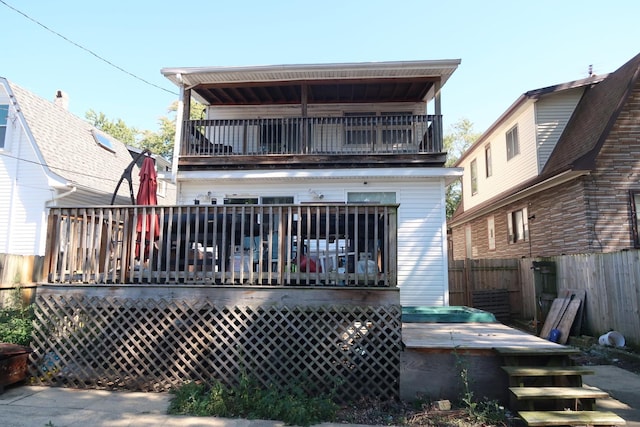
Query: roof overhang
[(501, 201), (404, 81)]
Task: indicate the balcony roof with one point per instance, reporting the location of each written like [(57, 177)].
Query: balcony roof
[(405, 81)]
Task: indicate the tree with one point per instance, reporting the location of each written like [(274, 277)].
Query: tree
[(162, 142), (158, 142), (117, 129), (459, 138)]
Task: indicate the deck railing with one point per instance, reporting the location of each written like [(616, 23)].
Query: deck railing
[(386, 134), (276, 245)]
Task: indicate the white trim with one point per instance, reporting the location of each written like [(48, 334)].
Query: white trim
[(387, 174)]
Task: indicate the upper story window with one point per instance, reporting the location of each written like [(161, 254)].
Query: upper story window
[(4, 115), (487, 161), (517, 223), (360, 128), (474, 177), (513, 144)]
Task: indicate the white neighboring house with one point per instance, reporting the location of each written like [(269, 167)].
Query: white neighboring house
[(325, 133), (50, 157)]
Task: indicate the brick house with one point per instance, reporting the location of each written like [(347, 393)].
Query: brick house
[(557, 173)]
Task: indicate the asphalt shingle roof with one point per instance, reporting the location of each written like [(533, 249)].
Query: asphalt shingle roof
[(69, 148)]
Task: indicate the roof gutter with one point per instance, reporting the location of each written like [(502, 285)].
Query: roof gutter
[(61, 196)]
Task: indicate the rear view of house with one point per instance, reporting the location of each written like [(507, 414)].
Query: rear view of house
[(326, 134)]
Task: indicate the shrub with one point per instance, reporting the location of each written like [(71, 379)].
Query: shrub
[(16, 320)]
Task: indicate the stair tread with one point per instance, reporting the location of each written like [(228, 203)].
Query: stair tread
[(558, 393), (536, 351), (540, 371), (557, 418)]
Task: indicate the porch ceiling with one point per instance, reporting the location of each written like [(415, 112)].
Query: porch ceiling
[(323, 83), (386, 90)]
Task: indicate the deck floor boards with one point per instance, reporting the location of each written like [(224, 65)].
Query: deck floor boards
[(471, 336)]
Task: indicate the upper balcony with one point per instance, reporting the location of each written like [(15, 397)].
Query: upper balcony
[(376, 114), (374, 139)]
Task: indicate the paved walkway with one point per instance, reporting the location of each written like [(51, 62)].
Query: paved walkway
[(623, 387), (33, 406)]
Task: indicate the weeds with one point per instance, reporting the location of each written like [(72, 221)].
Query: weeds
[(16, 320), (249, 400), (484, 411)]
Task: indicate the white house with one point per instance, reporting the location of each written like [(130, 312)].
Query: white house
[(51, 158), (325, 133)]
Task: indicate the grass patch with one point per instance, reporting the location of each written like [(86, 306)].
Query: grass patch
[(249, 400)]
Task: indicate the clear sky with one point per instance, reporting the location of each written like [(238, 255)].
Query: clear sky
[(506, 47)]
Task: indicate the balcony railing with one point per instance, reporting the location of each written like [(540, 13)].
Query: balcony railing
[(276, 245), (387, 134)]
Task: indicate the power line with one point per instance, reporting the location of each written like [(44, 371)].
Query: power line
[(85, 49)]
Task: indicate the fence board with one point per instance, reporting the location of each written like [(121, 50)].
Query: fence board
[(609, 280)]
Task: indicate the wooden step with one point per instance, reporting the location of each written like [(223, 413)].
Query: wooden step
[(541, 393), (563, 418), (556, 350), (543, 371)]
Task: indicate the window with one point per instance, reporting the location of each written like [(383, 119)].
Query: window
[(491, 233), (513, 145), (4, 115), (385, 197), (360, 128), (474, 177), (487, 161), (635, 221), (518, 226), (103, 141), (240, 201)]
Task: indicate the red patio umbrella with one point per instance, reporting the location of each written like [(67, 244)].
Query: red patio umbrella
[(147, 197)]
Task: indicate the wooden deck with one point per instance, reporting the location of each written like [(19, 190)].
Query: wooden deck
[(471, 336), (434, 353)]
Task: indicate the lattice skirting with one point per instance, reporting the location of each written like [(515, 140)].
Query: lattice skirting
[(147, 340)]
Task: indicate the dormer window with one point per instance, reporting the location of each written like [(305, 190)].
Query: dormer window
[(103, 141)]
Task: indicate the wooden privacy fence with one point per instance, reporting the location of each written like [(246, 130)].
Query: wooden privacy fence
[(488, 284), (153, 338), (20, 269), (611, 282)]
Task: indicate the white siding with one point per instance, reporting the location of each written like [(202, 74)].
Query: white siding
[(422, 261), (505, 173), (552, 115), (24, 189)]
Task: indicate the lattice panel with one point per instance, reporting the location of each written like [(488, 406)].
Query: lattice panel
[(153, 345)]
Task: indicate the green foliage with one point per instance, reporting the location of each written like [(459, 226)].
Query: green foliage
[(159, 142), (483, 411), (16, 320), (249, 400), (116, 128), (459, 138)]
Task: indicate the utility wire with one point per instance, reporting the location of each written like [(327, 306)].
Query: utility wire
[(85, 49)]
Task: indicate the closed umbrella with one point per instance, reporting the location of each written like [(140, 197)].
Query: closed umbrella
[(147, 226)]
